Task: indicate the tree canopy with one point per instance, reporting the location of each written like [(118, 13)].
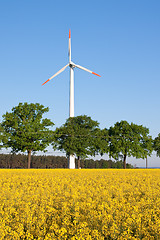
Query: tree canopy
[(156, 145), (1, 136), (129, 140), (76, 136), (101, 141), (25, 129)]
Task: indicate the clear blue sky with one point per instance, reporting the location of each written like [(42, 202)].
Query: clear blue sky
[(120, 40)]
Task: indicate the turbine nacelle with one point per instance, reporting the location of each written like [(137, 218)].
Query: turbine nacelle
[(72, 65)]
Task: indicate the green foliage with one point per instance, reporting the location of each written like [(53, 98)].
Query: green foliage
[(101, 143), (25, 129), (1, 136), (77, 136), (130, 140), (20, 161), (156, 145)]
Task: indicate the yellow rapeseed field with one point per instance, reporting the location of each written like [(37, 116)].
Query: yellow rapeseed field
[(80, 204)]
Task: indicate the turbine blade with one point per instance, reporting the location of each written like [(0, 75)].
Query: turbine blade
[(69, 46), (87, 70), (61, 70)]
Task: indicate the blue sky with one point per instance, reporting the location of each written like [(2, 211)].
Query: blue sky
[(120, 40)]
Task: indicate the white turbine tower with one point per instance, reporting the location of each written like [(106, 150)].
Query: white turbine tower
[(71, 100)]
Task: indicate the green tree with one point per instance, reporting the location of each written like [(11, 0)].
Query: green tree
[(1, 136), (129, 140), (104, 164), (156, 145), (25, 129), (76, 136), (100, 143)]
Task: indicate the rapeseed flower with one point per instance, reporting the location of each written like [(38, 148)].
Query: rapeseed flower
[(80, 204)]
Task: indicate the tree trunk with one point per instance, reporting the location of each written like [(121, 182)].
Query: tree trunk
[(124, 161), (29, 159), (146, 163), (78, 162)]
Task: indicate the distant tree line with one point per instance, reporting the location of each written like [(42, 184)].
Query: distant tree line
[(42, 162), (25, 130)]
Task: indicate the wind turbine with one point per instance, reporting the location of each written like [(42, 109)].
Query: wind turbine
[(71, 101)]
